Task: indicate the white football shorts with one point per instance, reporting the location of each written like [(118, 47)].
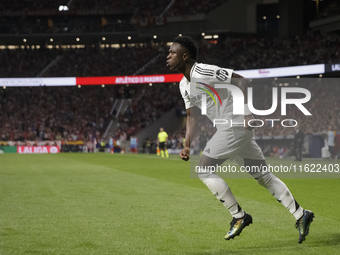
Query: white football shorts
[(233, 143)]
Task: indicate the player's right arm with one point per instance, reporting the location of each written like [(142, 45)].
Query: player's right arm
[(191, 120), (185, 153), (191, 128)]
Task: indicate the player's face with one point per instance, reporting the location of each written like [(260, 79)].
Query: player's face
[(175, 57)]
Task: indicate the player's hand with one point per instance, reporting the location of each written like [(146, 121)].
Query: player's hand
[(185, 154), (253, 123)]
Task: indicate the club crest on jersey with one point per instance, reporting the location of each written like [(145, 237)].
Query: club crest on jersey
[(222, 75)]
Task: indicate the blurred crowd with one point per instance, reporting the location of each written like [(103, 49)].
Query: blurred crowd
[(330, 10), (71, 113), (30, 17), (32, 5), (147, 104), (66, 113), (250, 52), (178, 8), (154, 7), (183, 8), (324, 107), (175, 141), (54, 113), (66, 24), (25, 62), (313, 48), (101, 62), (238, 53), (74, 62)]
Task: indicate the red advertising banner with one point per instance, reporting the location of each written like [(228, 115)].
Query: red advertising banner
[(138, 79), (290, 71), (37, 149)]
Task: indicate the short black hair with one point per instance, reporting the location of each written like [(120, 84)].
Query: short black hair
[(189, 44)]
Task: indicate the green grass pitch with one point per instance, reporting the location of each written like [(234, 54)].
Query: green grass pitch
[(142, 204)]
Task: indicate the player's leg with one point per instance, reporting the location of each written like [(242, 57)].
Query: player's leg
[(252, 156), (330, 149), (161, 147), (296, 151), (225, 143), (166, 151), (253, 159), (218, 186), (300, 151), (223, 193), (281, 192), (201, 148), (275, 186), (335, 152)]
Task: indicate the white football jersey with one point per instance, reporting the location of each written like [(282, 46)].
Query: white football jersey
[(219, 101)]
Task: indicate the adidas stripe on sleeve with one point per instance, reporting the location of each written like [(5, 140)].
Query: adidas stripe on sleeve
[(211, 74)]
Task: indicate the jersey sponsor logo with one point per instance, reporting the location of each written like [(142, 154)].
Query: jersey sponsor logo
[(207, 150), (185, 93), (222, 75)]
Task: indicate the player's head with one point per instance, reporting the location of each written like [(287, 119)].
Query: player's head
[(161, 129), (183, 50), (188, 44)]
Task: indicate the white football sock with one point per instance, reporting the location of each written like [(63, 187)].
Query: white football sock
[(281, 192), (222, 192)]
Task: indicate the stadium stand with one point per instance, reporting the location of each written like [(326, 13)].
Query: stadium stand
[(69, 112), (330, 10), (34, 119), (31, 5), (32, 17), (238, 53), (123, 61)]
